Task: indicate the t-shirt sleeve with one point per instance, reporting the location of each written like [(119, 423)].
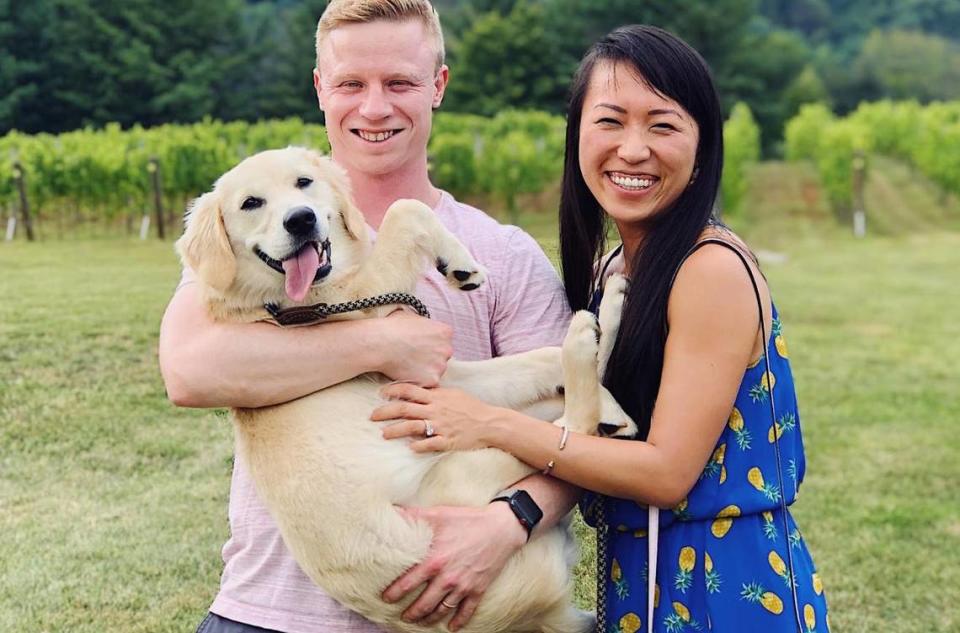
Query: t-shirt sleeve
[(530, 308), (186, 277)]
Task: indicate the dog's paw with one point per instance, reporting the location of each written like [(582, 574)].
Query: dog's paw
[(582, 341), (462, 273)]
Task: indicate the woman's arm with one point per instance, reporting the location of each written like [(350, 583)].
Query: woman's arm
[(713, 322)]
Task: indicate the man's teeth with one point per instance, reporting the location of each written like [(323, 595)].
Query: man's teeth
[(375, 137), (628, 182)]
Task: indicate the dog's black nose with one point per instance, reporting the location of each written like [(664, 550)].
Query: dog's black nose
[(301, 221)]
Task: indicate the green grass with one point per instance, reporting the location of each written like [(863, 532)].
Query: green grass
[(113, 502)]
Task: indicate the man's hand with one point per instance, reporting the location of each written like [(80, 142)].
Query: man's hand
[(416, 349), (469, 550)]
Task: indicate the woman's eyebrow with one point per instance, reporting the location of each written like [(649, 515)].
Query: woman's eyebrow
[(658, 111), (615, 108)]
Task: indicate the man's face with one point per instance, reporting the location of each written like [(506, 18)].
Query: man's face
[(377, 87)]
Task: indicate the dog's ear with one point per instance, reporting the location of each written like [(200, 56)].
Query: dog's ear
[(337, 179), (204, 246)]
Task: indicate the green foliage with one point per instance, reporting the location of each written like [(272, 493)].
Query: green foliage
[(803, 132), (839, 146), (909, 65), (935, 151), (453, 162), (925, 136), (508, 155), (507, 61), (106, 170), (65, 64), (807, 87), (763, 68), (893, 125), (741, 149), (69, 64)]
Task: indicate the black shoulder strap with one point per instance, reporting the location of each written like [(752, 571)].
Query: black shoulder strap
[(606, 264)]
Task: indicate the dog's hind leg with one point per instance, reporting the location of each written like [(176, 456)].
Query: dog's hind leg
[(581, 384), (614, 421), (611, 307), (513, 381)]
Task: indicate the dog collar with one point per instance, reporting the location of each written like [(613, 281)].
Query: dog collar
[(307, 315)]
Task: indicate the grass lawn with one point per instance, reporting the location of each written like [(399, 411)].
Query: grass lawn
[(113, 503)]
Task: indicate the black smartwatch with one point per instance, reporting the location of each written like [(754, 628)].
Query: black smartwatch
[(523, 506)]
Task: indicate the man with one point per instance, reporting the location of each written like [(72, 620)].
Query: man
[(379, 75)]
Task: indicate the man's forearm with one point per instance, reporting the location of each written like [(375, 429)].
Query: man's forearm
[(211, 364)]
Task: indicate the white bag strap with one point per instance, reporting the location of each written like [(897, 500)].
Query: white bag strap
[(653, 545)]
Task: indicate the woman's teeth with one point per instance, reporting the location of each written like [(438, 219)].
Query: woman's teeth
[(631, 182)]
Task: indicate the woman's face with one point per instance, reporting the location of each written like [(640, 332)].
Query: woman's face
[(637, 148)]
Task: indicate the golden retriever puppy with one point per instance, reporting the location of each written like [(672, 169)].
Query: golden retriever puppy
[(280, 229)]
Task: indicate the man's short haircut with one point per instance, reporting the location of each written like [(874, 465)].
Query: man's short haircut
[(341, 12)]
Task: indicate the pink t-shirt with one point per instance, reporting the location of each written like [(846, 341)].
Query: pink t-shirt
[(521, 307)]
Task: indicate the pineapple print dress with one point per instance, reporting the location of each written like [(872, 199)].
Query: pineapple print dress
[(724, 551)]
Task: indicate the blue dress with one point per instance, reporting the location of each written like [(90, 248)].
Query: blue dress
[(723, 562)]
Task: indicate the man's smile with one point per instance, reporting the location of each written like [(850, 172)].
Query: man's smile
[(376, 136)]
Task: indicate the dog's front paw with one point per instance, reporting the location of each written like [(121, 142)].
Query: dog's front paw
[(462, 273)]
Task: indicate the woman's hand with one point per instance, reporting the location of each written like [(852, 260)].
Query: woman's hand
[(442, 419)]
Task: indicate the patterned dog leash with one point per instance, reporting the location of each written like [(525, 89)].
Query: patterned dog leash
[(307, 315)]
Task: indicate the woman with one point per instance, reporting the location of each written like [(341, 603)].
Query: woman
[(699, 337)]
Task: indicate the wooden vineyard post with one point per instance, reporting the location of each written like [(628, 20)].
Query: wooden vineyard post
[(18, 177), (154, 168), (859, 213)]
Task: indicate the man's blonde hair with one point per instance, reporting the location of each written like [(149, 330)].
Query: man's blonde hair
[(341, 12)]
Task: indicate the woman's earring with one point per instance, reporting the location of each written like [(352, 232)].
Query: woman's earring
[(693, 176)]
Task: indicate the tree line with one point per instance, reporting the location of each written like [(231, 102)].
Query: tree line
[(67, 64)]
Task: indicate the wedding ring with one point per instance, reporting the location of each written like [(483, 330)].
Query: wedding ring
[(428, 430), (447, 605)]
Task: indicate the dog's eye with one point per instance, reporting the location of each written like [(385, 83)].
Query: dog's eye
[(303, 182), (252, 203)]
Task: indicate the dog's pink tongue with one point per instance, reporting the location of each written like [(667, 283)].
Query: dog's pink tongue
[(300, 271)]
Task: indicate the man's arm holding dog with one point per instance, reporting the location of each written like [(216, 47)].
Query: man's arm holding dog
[(212, 364), (470, 548)]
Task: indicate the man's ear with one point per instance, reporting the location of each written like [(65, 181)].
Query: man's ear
[(337, 178), (205, 247), (440, 85)]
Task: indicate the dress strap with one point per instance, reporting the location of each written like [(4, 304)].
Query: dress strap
[(603, 269)]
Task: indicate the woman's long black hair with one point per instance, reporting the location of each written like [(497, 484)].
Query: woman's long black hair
[(675, 70)]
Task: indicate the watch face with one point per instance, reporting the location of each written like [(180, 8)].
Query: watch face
[(526, 509)]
